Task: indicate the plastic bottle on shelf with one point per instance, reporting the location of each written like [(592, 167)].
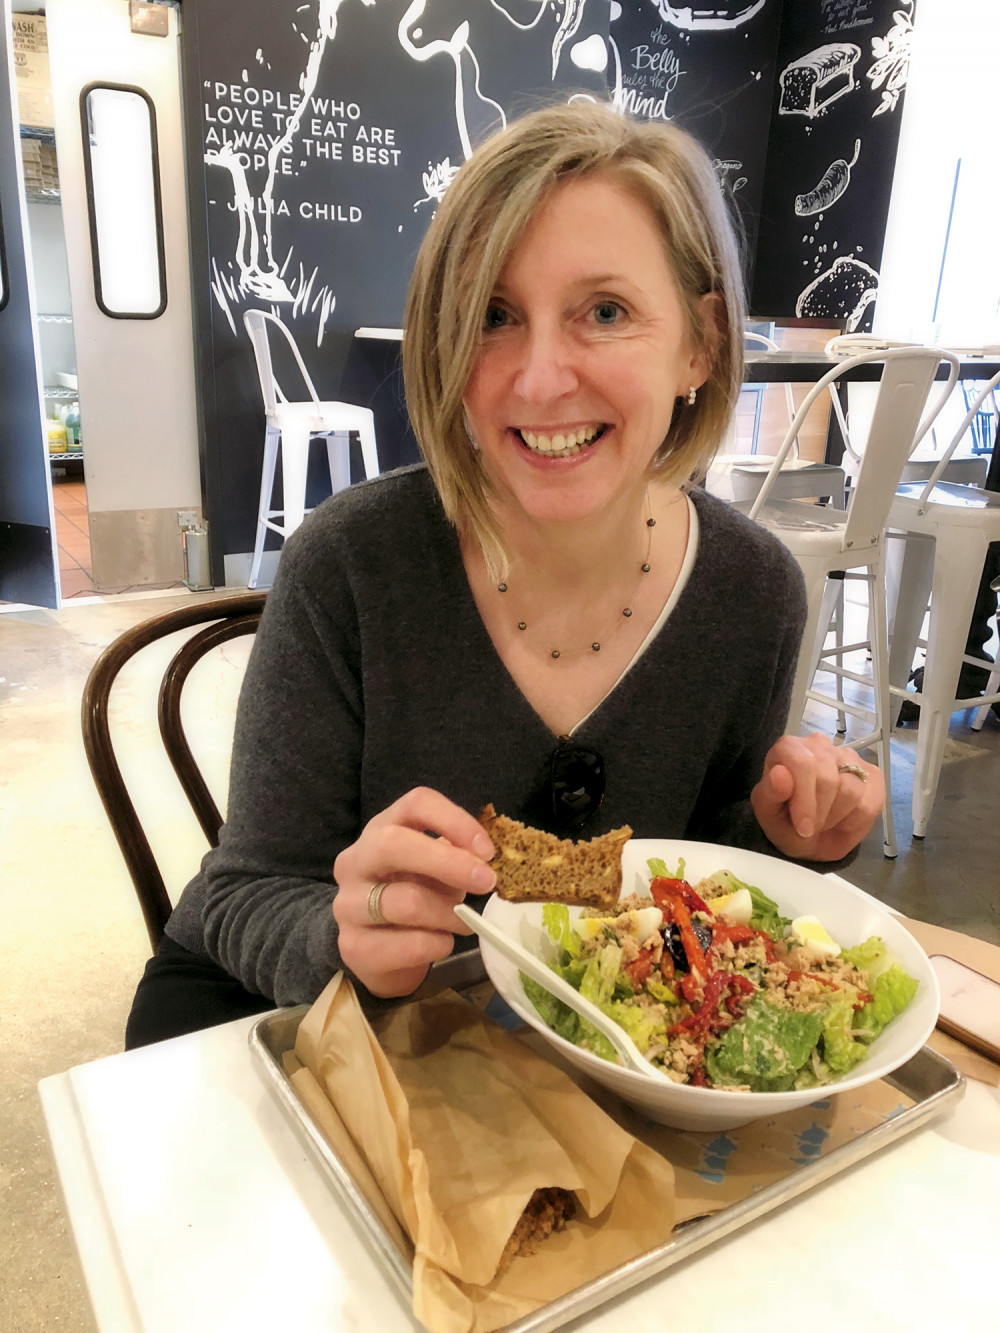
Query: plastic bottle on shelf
[(57, 436), (73, 426)]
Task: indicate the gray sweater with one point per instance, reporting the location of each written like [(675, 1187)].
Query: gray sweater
[(372, 673)]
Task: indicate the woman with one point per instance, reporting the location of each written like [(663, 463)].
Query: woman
[(542, 615)]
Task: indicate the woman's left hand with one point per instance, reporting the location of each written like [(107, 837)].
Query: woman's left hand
[(810, 803)]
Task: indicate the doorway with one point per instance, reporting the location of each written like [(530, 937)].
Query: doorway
[(98, 132)]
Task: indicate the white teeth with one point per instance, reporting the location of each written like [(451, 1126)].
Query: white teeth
[(560, 445)]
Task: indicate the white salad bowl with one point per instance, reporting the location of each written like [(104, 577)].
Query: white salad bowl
[(849, 915)]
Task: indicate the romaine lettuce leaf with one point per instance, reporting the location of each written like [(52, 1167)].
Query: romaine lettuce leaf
[(766, 1049), (555, 919), (870, 957), (657, 867), (641, 1024), (566, 1022), (602, 970), (891, 993), (842, 1049)]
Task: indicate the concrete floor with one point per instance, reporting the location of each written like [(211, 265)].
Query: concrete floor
[(74, 943)]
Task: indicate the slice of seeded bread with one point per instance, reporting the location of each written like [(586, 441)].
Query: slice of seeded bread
[(535, 867)]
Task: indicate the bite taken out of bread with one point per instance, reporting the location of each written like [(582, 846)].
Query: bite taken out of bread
[(536, 867)]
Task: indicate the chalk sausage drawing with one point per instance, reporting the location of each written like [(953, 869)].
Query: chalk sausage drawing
[(832, 185)]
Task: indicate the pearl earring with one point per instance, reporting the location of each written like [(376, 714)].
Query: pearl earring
[(692, 396)]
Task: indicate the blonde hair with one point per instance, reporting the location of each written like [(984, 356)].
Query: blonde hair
[(484, 213)]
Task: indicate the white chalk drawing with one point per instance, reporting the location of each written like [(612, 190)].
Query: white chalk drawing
[(259, 273), (591, 54), (831, 186), (692, 17), (891, 56), (811, 83), (728, 171), (436, 180), (470, 101), (254, 270), (844, 291), (568, 15), (631, 93)]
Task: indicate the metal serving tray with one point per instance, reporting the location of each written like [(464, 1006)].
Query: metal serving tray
[(930, 1081)]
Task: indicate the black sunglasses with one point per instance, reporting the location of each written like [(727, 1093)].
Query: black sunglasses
[(574, 786)]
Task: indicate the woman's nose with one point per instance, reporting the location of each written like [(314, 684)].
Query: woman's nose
[(547, 368)]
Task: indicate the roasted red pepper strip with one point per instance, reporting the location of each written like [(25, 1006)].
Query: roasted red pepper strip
[(700, 1022), (738, 986), (677, 888), (639, 969), (668, 900), (722, 931)]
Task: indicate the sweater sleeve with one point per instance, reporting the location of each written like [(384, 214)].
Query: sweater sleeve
[(267, 890)]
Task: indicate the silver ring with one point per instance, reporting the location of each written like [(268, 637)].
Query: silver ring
[(854, 769), (374, 903)]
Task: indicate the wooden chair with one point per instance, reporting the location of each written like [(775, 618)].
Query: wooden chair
[(224, 618)]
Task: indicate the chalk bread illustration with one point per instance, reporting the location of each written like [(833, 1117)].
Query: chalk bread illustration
[(811, 83), (832, 185), (719, 15), (843, 292)]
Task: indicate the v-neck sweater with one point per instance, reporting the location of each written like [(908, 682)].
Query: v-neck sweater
[(373, 673)]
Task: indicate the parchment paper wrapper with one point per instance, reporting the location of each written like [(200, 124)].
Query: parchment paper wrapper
[(448, 1124), (458, 1123)]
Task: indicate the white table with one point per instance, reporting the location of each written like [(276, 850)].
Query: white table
[(196, 1207)]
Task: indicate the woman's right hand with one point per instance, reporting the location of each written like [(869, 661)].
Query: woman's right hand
[(425, 877)]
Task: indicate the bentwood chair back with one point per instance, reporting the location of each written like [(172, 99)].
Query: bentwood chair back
[(293, 425), (224, 618), (828, 542)]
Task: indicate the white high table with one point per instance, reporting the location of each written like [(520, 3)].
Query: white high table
[(197, 1209)]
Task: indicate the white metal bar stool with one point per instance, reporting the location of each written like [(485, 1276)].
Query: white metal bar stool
[(293, 425), (827, 541), (949, 528)]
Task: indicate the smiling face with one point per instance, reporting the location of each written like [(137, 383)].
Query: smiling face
[(584, 352)]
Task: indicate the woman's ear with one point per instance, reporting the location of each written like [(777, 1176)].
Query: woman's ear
[(710, 320)]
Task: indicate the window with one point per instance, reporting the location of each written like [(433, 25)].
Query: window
[(123, 195)]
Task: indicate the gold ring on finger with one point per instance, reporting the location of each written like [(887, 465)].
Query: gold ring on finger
[(854, 769), (375, 904)]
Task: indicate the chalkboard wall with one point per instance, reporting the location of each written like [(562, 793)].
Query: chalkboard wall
[(322, 135), (834, 128), (712, 71)]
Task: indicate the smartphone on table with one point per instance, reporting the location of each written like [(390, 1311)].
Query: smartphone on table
[(970, 1005)]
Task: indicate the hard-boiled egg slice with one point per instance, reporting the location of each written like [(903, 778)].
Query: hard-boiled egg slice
[(641, 923), (811, 934), (736, 908)]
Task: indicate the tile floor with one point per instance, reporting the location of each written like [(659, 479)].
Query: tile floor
[(69, 499), (74, 943)]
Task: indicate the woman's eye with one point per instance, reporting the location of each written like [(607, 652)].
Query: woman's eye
[(495, 318), (608, 312)]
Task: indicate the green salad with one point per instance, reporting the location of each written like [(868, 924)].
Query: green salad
[(717, 989)]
